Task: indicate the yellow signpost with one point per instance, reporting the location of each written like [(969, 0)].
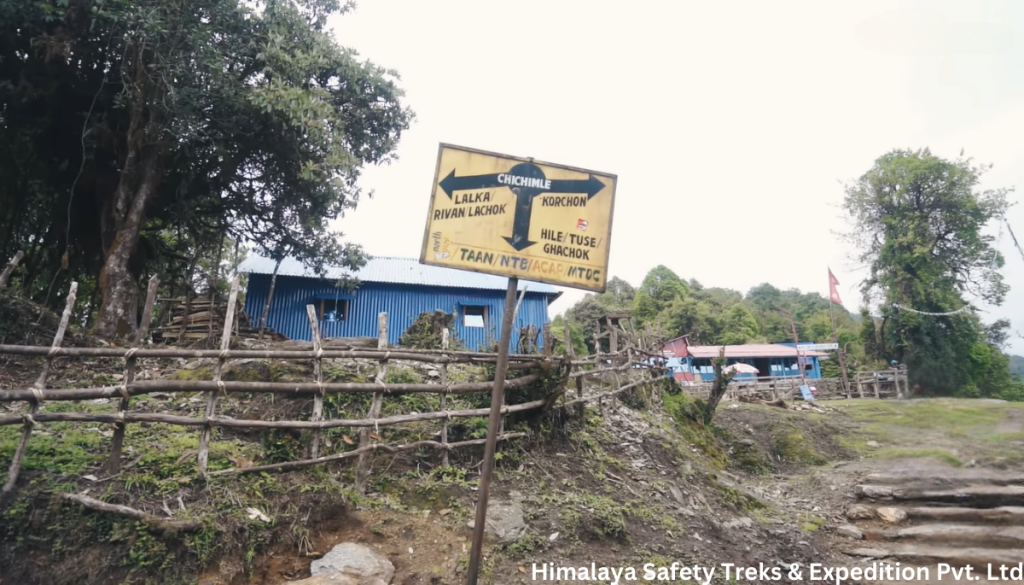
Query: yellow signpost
[(520, 218), (516, 217)]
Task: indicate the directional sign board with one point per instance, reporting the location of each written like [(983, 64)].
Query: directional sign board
[(818, 346), (511, 216)]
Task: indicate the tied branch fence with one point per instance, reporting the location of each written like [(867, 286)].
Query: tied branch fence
[(567, 367)]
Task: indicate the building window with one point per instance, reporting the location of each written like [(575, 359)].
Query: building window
[(474, 316), (334, 309)]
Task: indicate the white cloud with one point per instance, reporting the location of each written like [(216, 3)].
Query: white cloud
[(729, 125), (927, 31)]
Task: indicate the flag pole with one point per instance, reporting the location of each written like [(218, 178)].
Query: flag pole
[(835, 338)]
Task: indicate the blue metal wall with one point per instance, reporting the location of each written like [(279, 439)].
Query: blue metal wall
[(779, 367), (402, 303)]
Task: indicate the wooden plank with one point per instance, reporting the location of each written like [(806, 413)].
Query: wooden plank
[(211, 400)]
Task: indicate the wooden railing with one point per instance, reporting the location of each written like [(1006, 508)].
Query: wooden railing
[(562, 369)]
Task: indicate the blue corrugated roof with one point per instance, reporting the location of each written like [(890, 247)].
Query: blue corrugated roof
[(396, 271)]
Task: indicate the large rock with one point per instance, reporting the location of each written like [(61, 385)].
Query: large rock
[(860, 513), (504, 521), (351, 564), (850, 531), (891, 515)]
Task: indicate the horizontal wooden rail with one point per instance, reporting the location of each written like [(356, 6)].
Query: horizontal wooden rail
[(357, 452), (593, 397), (116, 352), (296, 388), (582, 373), (216, 421)]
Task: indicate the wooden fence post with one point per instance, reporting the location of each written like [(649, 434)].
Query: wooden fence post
[(860, 385), (318, 400), (444, 396), (114, 463), (878, 394), (211, 399), (363, 466), (6, 274), (37, 387), (613, 337), (581, 408)]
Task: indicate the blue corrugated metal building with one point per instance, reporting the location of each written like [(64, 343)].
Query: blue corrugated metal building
[(401, 287)]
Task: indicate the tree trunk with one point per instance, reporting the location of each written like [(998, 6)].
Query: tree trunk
[(718, 387), (270, 297), (117, 283), (137, 185)]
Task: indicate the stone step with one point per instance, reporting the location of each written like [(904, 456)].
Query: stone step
[(977, 496), (949, 478), (1007, 515), (931, 578), (977, 536), (924, 555)]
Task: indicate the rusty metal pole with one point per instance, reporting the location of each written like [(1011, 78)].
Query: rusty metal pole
[(497, 398)]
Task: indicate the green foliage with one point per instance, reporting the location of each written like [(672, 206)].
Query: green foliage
[(1017, 365), (919, 224), (618, 296), (579, 343), (175, 131), (426, 331), (718, 316), (280, 445), (660, 287)]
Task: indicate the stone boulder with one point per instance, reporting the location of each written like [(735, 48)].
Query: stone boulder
[(350, 564), (891, 515), (504, 521), (860, 513), (850, 531)]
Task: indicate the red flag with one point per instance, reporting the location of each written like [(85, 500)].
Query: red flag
[(832, 291)]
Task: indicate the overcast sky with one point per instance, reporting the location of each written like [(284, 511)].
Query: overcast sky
[(731, 125)]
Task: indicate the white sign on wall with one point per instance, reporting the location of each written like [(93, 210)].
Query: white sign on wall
[(818, 346)]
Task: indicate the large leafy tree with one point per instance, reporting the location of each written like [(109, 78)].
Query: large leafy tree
[(660, 287), (919, 223), (133, 132)]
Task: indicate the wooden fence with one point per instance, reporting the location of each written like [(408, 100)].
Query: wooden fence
[(880, 384), (613, 364)]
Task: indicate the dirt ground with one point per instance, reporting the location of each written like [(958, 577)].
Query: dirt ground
[(634, 484)]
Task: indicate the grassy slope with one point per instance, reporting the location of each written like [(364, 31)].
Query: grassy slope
[(626, 487)]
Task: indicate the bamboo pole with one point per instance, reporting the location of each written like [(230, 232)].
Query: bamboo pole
[(361, 451), (365, 438), (603, 395), (6, 274), (211, 399), (571, 353), (318, 399), (166, 525), (37, 387), (444, 398), (293, 388), (189, 421), (526, 361), (114, 462)]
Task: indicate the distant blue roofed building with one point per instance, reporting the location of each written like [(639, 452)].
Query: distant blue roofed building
[(401, 287)]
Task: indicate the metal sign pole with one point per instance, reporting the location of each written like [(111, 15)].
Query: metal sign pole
[(497, 399)]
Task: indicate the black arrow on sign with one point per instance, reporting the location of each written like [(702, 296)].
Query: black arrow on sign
[(591, 186), (451, 183), (524, 195)]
